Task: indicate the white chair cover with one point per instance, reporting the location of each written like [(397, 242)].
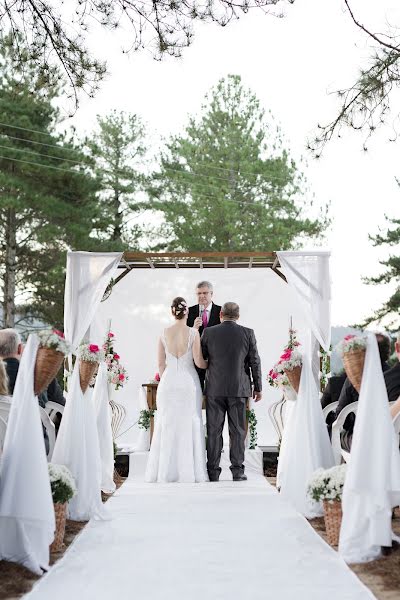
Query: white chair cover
[(103, 409), (306, 446), (77, 444), (372, 484), (27, 521)]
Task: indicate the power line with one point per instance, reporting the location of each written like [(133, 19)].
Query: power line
[(209, 165)]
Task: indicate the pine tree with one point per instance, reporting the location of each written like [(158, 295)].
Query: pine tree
[(228, 184)]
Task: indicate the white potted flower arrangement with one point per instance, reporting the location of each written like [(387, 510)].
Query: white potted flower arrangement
[(90, 356), (53, 347), (326, 485), (117, 374), (63, 488), (352, 349)]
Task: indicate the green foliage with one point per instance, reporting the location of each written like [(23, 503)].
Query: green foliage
[(390, 309), (47, 202), (144, 418), (227, 183), (252, 420), (118, 150)]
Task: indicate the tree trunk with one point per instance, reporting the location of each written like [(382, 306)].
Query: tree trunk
[(10, 268)]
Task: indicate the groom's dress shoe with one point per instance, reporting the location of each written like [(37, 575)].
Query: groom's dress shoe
[(240, 477), (212, 479)]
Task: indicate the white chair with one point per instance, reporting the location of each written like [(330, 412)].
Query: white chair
[(329, 408), (50, 429), (54, 408), (3, 427), (337, 428)]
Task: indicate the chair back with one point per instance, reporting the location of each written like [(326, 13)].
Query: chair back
[(337, 428), (329, 408), (50, 429)]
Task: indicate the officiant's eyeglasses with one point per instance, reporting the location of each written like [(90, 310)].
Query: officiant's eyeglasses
[(199, 293)]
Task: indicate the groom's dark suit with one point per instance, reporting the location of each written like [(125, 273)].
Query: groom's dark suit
[(214, 319), (233, 365)]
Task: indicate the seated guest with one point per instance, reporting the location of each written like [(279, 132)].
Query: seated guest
[(332, 394), (4, 395), (11, 349), (392, 376), (349, 394)]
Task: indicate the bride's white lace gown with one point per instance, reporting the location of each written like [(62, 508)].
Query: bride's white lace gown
[(177, 452)]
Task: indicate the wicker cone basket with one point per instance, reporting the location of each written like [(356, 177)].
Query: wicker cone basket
[(333, 520), (294, 378), (353, 362), (87, 369), (47, 365), (60, 512)]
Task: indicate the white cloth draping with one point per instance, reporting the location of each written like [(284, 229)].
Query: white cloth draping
[(290, 397), (372, 484), (27, 521), (306, 446), (143, 440), (103, 409), (77, 445)]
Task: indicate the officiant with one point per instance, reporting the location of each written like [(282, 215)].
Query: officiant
[(203, 314)]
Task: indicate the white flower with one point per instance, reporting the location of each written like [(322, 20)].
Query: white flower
[(294, 359), (51, 338), (61, 473), (351, 343), (327, 484), (91, 353)]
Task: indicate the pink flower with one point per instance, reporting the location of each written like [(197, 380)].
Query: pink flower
[(59, 333), (121, 377), (157, 377), (117, 356), (286, 355), (296, 344), (274, 375), (93, 348), (349, 337), (110, 335)]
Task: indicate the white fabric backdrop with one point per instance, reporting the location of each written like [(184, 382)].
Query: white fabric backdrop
[(372, 484), (26, 506), (139, 309)]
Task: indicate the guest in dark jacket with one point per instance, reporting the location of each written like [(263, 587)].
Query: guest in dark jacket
[(332, 394), (392, 376), (349, 394)]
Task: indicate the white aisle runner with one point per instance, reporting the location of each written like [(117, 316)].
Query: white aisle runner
[(216, 541)]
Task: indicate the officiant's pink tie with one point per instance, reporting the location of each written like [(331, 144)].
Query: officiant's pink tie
[(205, 318)]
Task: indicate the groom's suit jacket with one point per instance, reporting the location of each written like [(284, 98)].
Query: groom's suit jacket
[(233, 360)]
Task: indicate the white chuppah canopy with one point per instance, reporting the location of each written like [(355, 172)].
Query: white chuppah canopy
[(27, 521), (305, 439), (77, 445), (372, 484)]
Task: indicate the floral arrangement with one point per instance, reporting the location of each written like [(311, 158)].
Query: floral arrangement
[(52, 338), (327, 484), (91, 353), (144, 418), (252, 421), (62, 483), (290, 358), (351, 343), (117, 374), (277, 377), (157, 377)]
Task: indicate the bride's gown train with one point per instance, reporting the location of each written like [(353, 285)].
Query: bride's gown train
[(177, 452)]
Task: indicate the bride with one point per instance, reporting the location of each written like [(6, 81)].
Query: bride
[(177, 450)]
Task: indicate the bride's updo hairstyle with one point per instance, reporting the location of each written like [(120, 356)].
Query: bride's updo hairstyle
[(179, 308)]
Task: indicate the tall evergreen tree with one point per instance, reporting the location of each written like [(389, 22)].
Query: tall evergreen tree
[(118, 150), (228, 184), (47, 195)]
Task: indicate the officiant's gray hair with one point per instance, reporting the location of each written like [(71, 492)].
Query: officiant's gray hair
[(230, 310), (206, 284)]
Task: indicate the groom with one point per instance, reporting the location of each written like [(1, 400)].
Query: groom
[(233, 366)]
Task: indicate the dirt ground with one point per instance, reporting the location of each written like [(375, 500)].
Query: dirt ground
[(381, 576)]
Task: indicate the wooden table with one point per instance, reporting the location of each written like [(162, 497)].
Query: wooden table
[(151, 395)]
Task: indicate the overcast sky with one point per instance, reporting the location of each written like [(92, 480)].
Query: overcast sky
[(291, 64)]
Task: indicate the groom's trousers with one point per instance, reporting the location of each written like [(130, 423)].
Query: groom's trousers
[(217, 407)]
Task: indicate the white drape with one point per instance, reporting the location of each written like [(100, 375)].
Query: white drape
[(372, 484), (77, 444), (26, 507), (305, 438), (306, 446), (103, 409)]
